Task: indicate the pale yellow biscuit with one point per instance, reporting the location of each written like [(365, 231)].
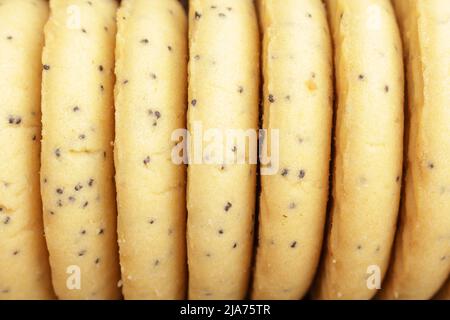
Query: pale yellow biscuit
[(223, 94), (368, 159), (24, 268), (297, 63), (77, 161), (421, 261), (151, 86)]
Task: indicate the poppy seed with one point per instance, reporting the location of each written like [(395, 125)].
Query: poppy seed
[(228, 206), (301, 174)]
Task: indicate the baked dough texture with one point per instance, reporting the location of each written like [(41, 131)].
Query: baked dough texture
[(77, 182), (151, 95), (223, 94), (421, 261), (24, 267), (297, 70), (368, 148)]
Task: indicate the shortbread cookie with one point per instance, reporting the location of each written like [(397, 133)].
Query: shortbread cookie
[(223, 94), (421, 261), (24, 268), (77, 162), (369, 147), (151, 86), (297, 63)]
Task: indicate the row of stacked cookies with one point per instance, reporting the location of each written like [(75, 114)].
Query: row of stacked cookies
[(105, 85)]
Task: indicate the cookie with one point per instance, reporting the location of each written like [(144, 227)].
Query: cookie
[(297, 71), (24, 267), (223, 95), (77, 174), (151, 94), (368, 148)]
